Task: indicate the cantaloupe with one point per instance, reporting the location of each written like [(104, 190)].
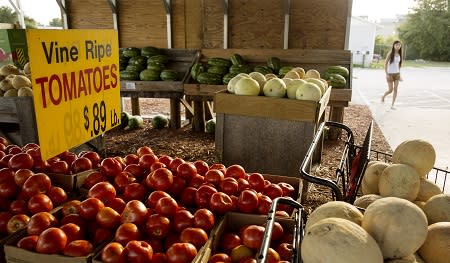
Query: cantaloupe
[(335, 209), (292, 75), (398, 226), (408, 259), (338, 240), (300, 71), (427, 189), (436, 248), (399, 180), (420, 204), (312, 73), (419, 154), (437, 208), (369, 184), (365, 200)]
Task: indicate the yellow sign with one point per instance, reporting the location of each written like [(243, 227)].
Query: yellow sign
[(76, 86)]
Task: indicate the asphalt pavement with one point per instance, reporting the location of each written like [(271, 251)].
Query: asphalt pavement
[(421, 110)]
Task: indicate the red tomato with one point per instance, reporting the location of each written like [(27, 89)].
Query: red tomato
[(182, 219), (243, 184), (93, 178), (93, 157), (214, 177), (16, 223), (5, 203), (18, 207), (165, 159), (280, 213), (52, 241), (273, 191), (171, 239), (285, 250), (28, 243), (204, 218), (81, 164), (72, 231), (252, 236), (186, 170), (118, 204), (103, 191), (219, 166), (229, 185), (187, 196), (30, 145), (272, 256), (203, 195), (288, 190), (178, 185), (4, 141), (264, 203), (248, 201), (113, 253), (4, 161), (166, 206), (159, 257), (144, 150), (157, 226), (134, 191), (154, 197), (285, 207), (41, 221), (21, 161), (57, 195), (277, 231), (13, 149), (78, 248), (101, 235), (21, 175), (121, 180), (120, 161), (35, 153), (110, 167), (9, 189), (138, 252), (147, 160), (196, 181), (59, 167), (202, 167), (39, 166), (134, 212), (156, 244), (108, 218), (76, 219), (36, 184), (194, 235), (90, 207), (236, 171), (135, 170), (71, 207), (235, 200), (127, 232), (160, 179), (181, 253), (173, 165), (69, 158), (4, 218), (156, 165), (131, 159), (228, 241), (220, 203), (219, 257), (40, 203), (256, 181)]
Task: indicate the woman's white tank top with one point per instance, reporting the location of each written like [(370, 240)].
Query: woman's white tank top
[(394, 67)]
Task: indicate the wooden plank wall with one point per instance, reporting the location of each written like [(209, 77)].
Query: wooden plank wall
[(314, 24)]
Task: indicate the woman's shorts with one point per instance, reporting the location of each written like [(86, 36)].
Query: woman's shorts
[(393, 76)]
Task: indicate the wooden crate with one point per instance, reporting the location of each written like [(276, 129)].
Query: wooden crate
[(266, 135), (18, 122)]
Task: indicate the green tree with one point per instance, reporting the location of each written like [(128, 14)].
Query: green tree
[(427, 30), (8, 16), (56, 22)]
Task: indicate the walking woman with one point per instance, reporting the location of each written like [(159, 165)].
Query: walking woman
[(392, 68)]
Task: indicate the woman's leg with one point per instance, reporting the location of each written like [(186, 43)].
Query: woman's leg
[(394, 95), (391, 87)]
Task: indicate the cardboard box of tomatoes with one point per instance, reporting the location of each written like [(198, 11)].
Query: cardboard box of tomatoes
[(70, 182)]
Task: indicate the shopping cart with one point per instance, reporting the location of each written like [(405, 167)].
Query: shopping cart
[(298, 231), (354, 160)]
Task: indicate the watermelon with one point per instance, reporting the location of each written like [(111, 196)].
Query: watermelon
[(336, 81), (210, 126), (343, 71), (159, 121), (169, 75), (135, 121), (124, 117)]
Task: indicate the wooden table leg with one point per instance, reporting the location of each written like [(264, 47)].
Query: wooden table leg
[(135, 106), (199, 118), (337, 115), (175, 115)]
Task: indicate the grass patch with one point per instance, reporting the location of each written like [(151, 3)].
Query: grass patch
[(410, 63)]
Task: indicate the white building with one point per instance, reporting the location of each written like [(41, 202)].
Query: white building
[(362, 40)]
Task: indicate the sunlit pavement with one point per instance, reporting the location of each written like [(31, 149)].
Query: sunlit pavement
[(421, 111)]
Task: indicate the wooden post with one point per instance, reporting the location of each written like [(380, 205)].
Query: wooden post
[(208, 112), (337, 115), (175, 117), (135, 106), (199, 122)]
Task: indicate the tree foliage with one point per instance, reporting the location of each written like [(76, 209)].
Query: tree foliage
[(426, 31), (56, 22), (7, 15)]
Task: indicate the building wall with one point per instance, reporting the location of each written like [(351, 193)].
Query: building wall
[(362, 41)]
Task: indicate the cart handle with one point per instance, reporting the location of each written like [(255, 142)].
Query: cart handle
[(298, 229), (307, 160)]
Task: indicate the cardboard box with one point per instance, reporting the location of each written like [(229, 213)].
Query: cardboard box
[(13, 47), (231, 222), (70, 182)]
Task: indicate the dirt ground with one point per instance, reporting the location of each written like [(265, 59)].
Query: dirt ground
[(192, 146)]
